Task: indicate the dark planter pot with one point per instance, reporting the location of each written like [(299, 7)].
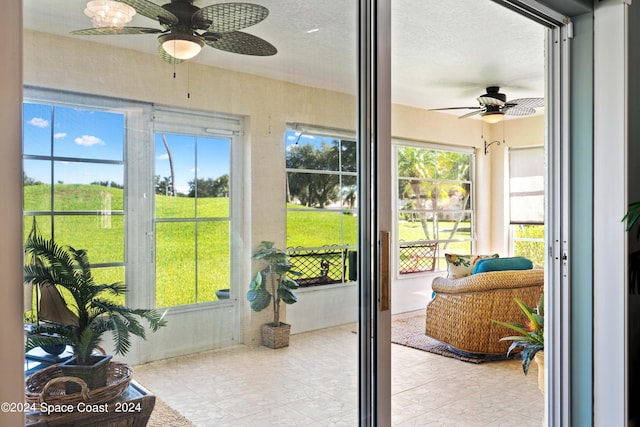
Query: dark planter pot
[(223, 293), (55, 350), (94, 375), (276, 336)]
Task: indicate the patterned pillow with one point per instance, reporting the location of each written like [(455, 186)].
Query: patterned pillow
[(462, 265)]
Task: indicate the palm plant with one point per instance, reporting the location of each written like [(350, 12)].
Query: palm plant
[(531, 338), (69, 269)]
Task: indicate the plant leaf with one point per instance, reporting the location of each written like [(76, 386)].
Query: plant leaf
[(290, 284), (287, 296), (256, 283), (259, 299)]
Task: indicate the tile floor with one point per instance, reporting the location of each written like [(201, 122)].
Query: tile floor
[(313, 382)]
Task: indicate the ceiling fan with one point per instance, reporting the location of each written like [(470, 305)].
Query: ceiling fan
[(186, 28), (494, 105)]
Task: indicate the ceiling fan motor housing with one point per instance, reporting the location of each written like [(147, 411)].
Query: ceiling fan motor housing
[(184, 10), (493, 97)]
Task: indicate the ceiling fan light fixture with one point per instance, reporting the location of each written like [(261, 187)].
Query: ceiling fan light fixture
[(493, 117), (109, 13), (181, 46)]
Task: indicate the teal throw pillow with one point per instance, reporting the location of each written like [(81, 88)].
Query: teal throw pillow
[(501, 264)]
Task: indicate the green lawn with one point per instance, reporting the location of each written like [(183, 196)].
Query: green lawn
[(177, 272)]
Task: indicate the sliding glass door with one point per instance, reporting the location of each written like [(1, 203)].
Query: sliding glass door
[(464, 106), (259, 137)]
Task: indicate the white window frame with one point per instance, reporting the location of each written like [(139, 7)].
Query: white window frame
[(398, 142), (339, 134), (207, 125)]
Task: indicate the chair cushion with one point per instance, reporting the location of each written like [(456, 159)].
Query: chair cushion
[(502, 264), (462, 265)]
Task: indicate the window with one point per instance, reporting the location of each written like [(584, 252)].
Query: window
[(434, 211), (321, 206), (526, 202), (73, 175), (193, 224)]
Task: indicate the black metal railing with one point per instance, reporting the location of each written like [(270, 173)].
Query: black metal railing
[(417, 257), (321, 266)]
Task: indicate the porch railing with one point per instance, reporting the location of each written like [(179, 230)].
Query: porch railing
[(417, 257), (321, 266)]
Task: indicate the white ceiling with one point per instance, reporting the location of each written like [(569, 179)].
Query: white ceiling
[(444, 52)]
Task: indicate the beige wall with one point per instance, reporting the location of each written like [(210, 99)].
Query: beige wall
[(77, 65), (92, 68), (492, 215), (521, 132)]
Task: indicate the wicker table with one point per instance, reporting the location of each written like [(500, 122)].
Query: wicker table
[(131, 409)]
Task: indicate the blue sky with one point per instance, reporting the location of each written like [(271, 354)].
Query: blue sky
[(296, 138), (90, 134), (213, 158)]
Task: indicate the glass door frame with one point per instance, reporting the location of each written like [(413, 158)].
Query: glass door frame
[(374, 183), (374, 131)]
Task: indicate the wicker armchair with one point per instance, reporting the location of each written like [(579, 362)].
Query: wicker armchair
[(461, 311)]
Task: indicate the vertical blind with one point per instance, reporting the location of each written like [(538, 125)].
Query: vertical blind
[(526, 185)]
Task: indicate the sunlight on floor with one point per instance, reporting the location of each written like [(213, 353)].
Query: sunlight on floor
[(313, 382)]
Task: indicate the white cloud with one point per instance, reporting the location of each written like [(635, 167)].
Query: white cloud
[(39, 122), (88, 141), (60, 135), (163, 157), (194, 170)]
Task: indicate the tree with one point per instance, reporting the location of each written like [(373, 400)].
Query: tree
[(111, 184), (163, 186), (210, 187), (314, 189), (418, 169), (173, 174), (29, 181), (419, 164)]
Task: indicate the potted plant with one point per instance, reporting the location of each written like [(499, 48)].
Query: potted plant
[(632, 216), (531, 338), (272, 286), (94, 307)]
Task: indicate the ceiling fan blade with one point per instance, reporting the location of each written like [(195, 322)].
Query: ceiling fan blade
[(105, 31), (152, 10), (455, 108), (519, 111), (242, 43), (166, 57), (228, 17), (489, 100), (528, 102), (473, 113)]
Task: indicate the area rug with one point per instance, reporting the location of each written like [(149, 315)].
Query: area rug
[(164, 415), (409, 331)]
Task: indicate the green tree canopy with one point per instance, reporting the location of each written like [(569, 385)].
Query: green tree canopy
[(210, 187), (319, 189)]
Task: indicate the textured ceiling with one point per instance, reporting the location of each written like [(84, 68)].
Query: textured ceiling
[(444, 52)]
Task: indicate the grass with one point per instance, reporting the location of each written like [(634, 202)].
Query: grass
[(180, 278)]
